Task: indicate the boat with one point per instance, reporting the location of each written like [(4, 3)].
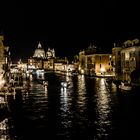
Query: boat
[(125, 86)]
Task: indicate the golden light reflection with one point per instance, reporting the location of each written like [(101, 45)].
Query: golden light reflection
[(64, 108), (66, 89), (68, 79), (31, 77), (103, 109), (81, 91), (64, 99), (45, 85)]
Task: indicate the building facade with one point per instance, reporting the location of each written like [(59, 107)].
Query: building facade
[(116, 61), (130, 61), (5, 59), (126, 61), (95, 64), (42, 59)]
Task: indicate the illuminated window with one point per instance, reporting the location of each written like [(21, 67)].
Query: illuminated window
[(127, 55)]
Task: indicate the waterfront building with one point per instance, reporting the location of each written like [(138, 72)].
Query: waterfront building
[(98, 64), (85, 64), (103, 65), (39, 52), (116, 61), (94, 63), (38, 57), (49, 62), (60, 64), (4, 60), (81, 62), (126, 61), (75, 62), (42, 59), (130, 61)]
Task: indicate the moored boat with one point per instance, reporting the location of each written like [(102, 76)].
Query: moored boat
[(125, 86)]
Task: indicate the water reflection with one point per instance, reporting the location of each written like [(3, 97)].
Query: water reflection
[(103, 109), (65, 102), (86, 109), (64, 99), (4, 129), (81, 92)]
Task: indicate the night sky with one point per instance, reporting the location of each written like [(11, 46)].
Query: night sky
[(67, 26)]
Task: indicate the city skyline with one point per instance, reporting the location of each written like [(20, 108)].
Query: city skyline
[(67, 27)]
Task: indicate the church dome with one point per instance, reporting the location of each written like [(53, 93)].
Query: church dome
[(39, 52)]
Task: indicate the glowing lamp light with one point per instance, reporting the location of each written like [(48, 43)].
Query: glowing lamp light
[(102, 69), (64, 84), (82, 71)]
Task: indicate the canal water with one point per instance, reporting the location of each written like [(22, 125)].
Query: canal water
[(89, 108)]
